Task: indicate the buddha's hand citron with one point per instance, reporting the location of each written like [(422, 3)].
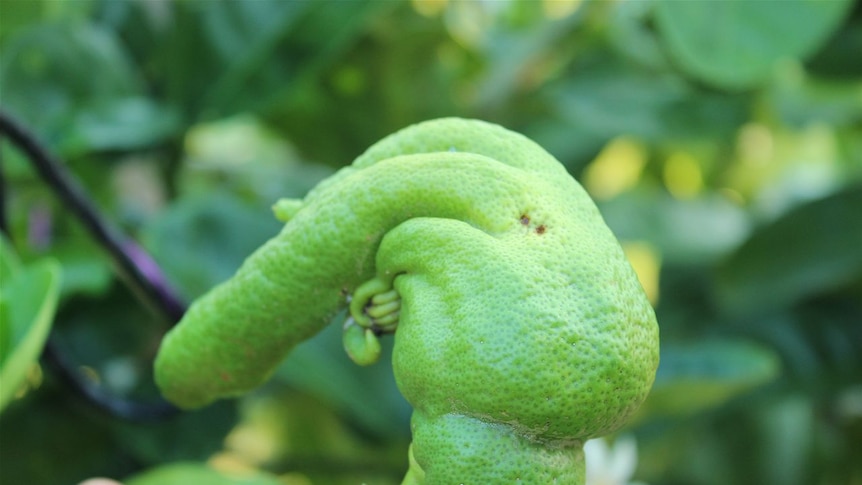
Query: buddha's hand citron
[(520, 329)]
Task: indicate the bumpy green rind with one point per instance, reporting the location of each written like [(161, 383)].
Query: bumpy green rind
[(230, 340), (521, 325)]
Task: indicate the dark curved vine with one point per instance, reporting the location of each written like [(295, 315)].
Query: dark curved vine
[(135, 266)]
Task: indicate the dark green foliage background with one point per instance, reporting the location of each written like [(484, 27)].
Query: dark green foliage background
[(185, 120)]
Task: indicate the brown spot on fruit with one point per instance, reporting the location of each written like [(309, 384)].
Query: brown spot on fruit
[(541, 229)]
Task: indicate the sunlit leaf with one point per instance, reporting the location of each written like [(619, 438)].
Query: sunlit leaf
[(29, 299), (736, 44), (196, 473), (5, 330), (242, 155)]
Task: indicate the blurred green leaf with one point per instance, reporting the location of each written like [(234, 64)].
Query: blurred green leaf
[(298, 433), (53, 441), (21, 14), (802, 101), (613, 98), (243, 156), (197, 474), (85, 272), (629, 34), (819, 340), (604, 99), (514, 51), (700, 376), (690, 231), (17, 15), (810, 249), (29, 300), (247, 35), (320, 366), (117, 357), (735, 43), (9, 262), (838, 58), (200, 242), (125, 124), (5, 329), (192, 435), (50, 71)]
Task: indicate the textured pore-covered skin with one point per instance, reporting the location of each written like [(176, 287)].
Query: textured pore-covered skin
[(522, 329)]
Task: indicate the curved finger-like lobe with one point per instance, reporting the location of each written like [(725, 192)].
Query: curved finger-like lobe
[(521, 329)]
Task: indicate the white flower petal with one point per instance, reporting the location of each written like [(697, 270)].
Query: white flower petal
[(597, 458), (623, 458)]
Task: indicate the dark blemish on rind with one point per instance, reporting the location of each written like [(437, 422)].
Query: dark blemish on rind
[(541, 229), (525, 219)]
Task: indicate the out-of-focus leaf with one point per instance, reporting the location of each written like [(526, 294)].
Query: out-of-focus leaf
[(192, 435), (839, 57), (691, 231), (51, 70), (820, 341), (183, 473), (29, 300), (810, 249), (306, 106), (297, 432), (19, 15), (50, 441), (85, 272), (803, 101), (629, 34), (320, 367), (602, 100), (243, 156), (702, 376), (514, 54), (612, 98), (736, 44), (114, 336), (125, 124), (247, 36), (5, 329), (9, 262), (200, 242)]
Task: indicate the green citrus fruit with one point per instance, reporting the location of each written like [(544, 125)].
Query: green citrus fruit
[(520, 329)]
